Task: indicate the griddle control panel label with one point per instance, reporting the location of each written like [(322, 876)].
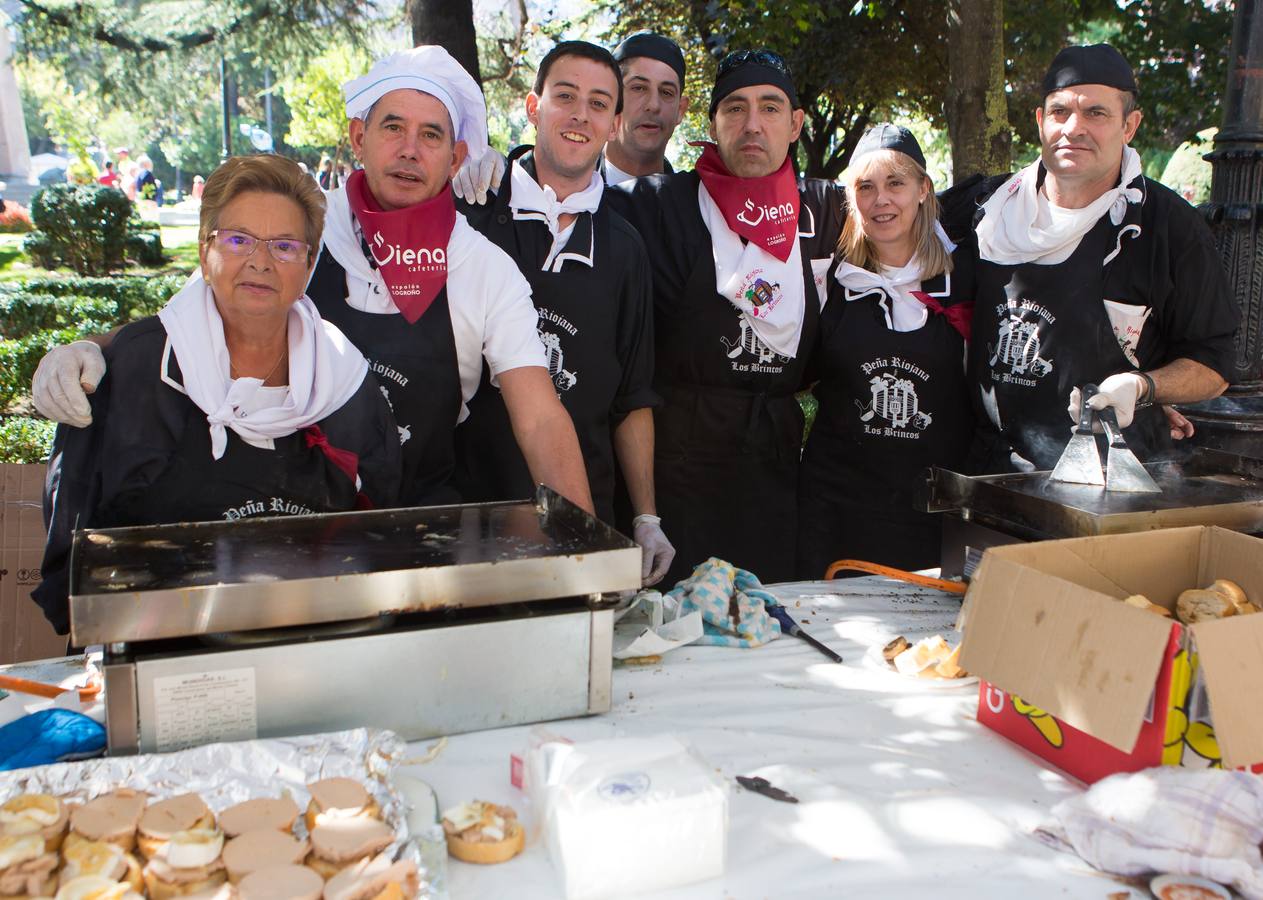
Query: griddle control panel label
[(202, 707)]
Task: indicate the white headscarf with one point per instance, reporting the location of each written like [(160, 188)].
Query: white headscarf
[(1019, 225), (325, 369), (433, 71)]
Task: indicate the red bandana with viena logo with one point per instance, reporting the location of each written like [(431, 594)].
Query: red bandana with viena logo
[(763, 210), (409, 245)]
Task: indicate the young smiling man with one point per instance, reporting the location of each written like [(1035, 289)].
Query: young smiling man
[(590, 283), (735, 246), (1090, 273), (421, 294)]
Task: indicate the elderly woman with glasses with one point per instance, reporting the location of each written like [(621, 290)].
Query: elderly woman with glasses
[(891, 366), (236, 400)]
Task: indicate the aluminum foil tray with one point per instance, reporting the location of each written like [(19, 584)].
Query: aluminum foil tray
[(164, 581), (226, 774)]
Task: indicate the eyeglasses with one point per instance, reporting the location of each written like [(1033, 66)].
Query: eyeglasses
[(238, 243), (739, 58)]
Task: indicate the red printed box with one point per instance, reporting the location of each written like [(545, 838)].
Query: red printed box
[(1095, 686)]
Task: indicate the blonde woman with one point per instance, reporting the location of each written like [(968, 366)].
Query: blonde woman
[(891, 366)]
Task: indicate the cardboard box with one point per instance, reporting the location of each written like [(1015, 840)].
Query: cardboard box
[(1095, 686), (24, 632)]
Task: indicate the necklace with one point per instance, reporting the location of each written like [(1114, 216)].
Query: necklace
[(232, 367)]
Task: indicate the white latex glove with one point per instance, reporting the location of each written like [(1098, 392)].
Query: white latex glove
[(656, 551), (1120, 391), (65, 377), (477, 176)]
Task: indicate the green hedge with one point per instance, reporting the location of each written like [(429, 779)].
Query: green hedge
[(19, 359), (83, 226), (25, 440), (24, 314), (134, 297)]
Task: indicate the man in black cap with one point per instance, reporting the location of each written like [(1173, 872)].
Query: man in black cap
[(1090, 273), (735, 246), (653, 105)]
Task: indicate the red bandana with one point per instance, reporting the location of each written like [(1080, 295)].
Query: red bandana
[(409, 245), (959, 315), (763, 210)]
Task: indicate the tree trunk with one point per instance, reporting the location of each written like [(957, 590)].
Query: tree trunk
[(976, 109), (450, 24)]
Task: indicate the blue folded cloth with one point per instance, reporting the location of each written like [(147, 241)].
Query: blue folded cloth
[(717, 588), (49, 736)]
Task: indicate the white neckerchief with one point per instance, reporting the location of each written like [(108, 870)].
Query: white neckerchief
[(615, 175), (903, 311), (532, 202), (325, 369), (740, 265), (1019, 224), (366, 290)]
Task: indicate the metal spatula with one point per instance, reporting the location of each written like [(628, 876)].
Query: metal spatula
[(1123, 472), (1080, 462)]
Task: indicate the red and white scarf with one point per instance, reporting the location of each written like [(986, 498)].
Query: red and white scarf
[(762, 275), (409, 245)]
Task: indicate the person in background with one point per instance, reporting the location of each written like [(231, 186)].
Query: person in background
[(145, 181), (890, 361), (236, 400), (324, 177), (199, 186), (109, 177), (654, 102)]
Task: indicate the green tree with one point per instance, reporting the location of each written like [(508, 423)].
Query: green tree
[(315, 100)]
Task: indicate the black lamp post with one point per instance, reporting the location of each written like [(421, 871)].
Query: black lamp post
[(1234, 421)]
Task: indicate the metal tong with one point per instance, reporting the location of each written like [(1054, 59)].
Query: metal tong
[(1080, 462)]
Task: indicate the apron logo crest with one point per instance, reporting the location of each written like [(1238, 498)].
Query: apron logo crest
[(762, 295), (894, 400), (748, 341), (563, 380), (1017, 346)]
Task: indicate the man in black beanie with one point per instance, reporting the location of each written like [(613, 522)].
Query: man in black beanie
[(735, 247), (1090, 273), (653, 105)]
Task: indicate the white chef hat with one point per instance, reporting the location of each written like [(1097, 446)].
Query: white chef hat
[(432, 70)]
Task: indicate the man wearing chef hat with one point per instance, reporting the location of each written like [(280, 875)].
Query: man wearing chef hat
[(422, 295), (1090, 273)]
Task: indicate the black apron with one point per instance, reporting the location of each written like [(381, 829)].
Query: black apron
[(728, 436), (578, 325), (247, 481), (891, 404), (1039, 332), (416, 367)]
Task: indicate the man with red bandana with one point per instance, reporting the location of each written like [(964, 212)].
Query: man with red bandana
[(421, 294), (736, 247)]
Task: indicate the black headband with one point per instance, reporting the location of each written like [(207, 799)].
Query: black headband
[(746, 68), (1095, 64), (652, 46), (889, 137)]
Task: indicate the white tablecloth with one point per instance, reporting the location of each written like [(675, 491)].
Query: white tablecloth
[(902, 793)]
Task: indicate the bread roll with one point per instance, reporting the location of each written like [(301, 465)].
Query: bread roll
[(480, 832), (1140, 601), (1201, 605), (1233, 592)]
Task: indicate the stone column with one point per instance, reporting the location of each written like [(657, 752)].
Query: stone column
[(15, 150)]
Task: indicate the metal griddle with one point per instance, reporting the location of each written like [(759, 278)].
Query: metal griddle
[(1211, 487), (428, 621)]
